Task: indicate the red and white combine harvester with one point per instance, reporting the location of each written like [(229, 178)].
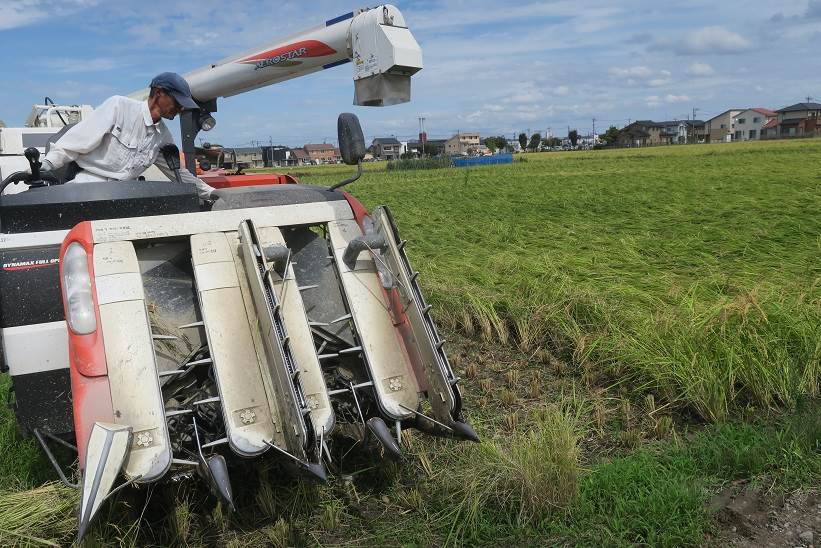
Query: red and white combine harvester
[(160, 339)]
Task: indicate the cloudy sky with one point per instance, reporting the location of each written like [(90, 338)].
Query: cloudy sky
[(497, 67)]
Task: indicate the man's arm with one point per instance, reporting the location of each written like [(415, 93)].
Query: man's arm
[(204, 190), (85, 136)]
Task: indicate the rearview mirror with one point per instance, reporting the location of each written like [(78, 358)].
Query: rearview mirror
[(351, 140)]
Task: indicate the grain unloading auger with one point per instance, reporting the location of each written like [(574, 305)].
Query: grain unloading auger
[(286, 323)]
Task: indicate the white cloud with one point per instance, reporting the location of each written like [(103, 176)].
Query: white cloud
[(561, 91), (631, 72), (713, 39), (700, 69), (641, 74), (669, 99), (73, 66), (21, 13), (524, 94)]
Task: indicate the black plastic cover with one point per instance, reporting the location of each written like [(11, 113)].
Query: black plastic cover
[(61, 207), (43, 400), (30, 286), (272, 195)]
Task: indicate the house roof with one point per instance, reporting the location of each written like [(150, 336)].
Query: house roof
[(634, 131), (771, 123), (801, 106), (766, 112), (386, 141), (431, 142), (299, 153), (726, 111), (247, 150), (318, 147)]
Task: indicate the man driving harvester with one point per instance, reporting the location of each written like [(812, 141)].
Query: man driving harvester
[(122, 138)]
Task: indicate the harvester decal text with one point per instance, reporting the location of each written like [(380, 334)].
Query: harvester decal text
[(28, 265), (289, 55)]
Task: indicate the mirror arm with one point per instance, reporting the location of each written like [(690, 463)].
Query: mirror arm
[(352, 179)]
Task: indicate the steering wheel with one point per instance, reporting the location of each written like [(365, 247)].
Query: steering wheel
[(33, 178)]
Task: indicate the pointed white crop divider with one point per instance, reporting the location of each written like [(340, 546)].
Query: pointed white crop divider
[(106, 450)]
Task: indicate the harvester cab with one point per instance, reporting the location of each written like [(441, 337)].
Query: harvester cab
[(161, 341)]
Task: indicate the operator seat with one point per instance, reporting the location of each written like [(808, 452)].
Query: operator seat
[(69, 171)]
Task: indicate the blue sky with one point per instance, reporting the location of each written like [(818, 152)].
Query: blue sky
[(496, 67)]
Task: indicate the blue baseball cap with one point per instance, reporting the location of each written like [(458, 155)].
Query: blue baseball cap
[(176, 85)]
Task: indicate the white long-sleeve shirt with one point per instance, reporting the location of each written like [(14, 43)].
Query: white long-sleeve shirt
[(117, 142)]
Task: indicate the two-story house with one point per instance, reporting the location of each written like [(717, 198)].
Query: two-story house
[(721, 128), (463, 143), (799, 120), (387, 148), (748, 124), (322, 153), (640, 133)]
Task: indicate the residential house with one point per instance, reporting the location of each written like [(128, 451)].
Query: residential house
[(463, 143), (721, 128), (800, 120), (387, 148), (322, 153), (770, 129), (300, 157), (247, 157), (749, 123), (277, 156), (434, 146), (640, 133)]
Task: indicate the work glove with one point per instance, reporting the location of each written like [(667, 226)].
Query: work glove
[(45, 166)]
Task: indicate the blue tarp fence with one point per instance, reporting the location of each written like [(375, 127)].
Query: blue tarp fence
[(483, 160)]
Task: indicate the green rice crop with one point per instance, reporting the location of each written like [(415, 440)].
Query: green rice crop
[(690, 272)]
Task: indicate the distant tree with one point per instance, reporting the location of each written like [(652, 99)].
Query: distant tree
[(611, 135), (429, 149), (491, 143), (523, 141), (552, 142), (573, 136), (535, 141), (501, 143)]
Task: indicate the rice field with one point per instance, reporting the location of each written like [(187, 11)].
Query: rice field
[(691, 273), (635, 330)]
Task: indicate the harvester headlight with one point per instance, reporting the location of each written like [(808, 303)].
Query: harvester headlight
[(207, 122), (77, 290)]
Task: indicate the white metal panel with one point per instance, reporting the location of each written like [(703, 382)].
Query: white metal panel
[(164, 226), (391, 370), (248, 416), (115, 259), (215, 276), (132, 367), (302, 341), (36, 348), (32, 239), (114, 288), (256, 334)]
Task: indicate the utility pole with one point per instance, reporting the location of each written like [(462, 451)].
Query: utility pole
[(422, 136), (594, 133), (693, 126)]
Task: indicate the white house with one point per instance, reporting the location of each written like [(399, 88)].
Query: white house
[(747, 124)]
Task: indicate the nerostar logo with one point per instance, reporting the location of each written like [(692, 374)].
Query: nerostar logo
[(289, 55)]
